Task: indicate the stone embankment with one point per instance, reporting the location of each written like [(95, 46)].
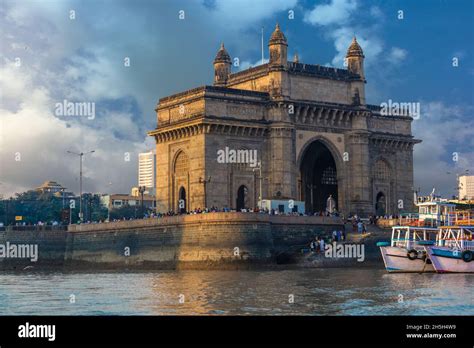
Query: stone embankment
[(214, 240)]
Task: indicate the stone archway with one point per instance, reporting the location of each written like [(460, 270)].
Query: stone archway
[(318, 172), (242, 195), (381, 189), (182, 200), (380, 204)]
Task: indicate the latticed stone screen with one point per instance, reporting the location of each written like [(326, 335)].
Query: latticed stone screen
[(329, 176), (382, 171), (181, 165)]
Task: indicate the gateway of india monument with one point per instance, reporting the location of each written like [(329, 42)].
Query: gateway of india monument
[(310, 127)]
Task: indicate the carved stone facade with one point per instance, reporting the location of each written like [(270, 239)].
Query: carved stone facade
[(310, 126)]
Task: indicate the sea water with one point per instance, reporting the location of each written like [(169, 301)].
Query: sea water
[(336, 291)]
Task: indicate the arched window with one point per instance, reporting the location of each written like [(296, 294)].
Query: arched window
[(381, 170), (181, 164), (244, 158)]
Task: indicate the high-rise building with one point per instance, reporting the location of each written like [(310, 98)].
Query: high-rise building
[(146, 171), (466, 187)]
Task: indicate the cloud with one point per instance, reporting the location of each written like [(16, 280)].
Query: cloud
[(248, 12), (337, 11), (81, 60), (342, 37), (34, 144), (342, 19), (247, 64), (376, 12), (367, 23), (397, 55), (444, 130)]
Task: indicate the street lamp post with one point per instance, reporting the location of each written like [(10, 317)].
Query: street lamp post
[(142, 190), (205, 182), (260, 178), (108, 204), (81, 154), (311, 187)]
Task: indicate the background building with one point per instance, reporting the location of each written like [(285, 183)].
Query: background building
[(466, 187), (50, 187), (53, 188), (119, 200), (146, 171)]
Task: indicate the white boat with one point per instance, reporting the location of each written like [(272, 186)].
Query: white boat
[(432, 213), (454, 250), (406, 252)]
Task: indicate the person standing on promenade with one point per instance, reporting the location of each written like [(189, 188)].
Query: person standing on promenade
[(360, 227)]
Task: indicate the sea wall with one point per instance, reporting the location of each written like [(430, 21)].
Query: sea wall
[(50, 242), (186, 241)]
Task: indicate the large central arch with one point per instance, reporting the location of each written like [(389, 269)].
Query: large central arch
[(318, 171)]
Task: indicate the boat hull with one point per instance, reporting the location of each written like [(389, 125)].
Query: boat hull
[(445, 260), (397, 261)]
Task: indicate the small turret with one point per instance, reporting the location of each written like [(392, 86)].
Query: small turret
[(355, 58), (296, 59), (278, 47), (222, 66)]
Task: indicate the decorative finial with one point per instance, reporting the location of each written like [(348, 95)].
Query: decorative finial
[(277, 27), (222, 45)]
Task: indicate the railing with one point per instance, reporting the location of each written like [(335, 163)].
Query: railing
[(33, 228), (406, 243), (402, 243), (434, 220), (455, 244), (462, 218), (414, 220), (467, 245)]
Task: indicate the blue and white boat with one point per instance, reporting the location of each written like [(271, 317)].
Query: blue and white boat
[(406, 252), (454, 250)]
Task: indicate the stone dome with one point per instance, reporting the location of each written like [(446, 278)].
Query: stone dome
[(222, 55), (277, 36), (354, 49)]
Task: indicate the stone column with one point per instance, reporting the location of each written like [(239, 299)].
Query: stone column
[(359, 198), (280, 164)]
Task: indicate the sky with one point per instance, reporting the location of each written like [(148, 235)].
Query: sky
[(52, 50)]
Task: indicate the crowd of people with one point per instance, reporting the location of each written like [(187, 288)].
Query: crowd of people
[(318, 243), (214, 209), (357, 223)]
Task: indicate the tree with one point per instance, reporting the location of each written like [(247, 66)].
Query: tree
[(125, 211), (32, 206)]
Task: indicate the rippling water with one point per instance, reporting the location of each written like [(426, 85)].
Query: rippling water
[(315, 291)]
